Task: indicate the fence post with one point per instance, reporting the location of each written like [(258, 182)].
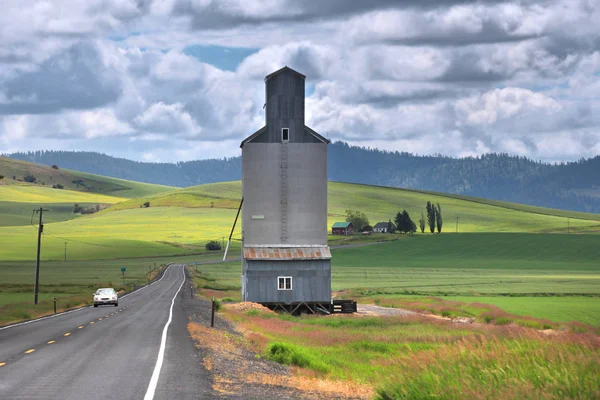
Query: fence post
[(55, 305), (212, 315)]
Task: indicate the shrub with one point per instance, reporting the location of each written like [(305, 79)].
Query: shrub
[(1, 177), (503, 321), (213, 245), (54, 166), (147, 204), (29, 178), (289, 354), (58, 186), (218, 305)]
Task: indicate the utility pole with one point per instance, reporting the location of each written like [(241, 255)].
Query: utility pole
[(37, 263), (457, 224), (65, 251)]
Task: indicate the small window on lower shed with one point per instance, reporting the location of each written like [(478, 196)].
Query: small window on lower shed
[(284, 283), (285, 134)]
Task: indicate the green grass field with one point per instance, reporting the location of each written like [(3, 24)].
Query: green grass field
[(494, 253)]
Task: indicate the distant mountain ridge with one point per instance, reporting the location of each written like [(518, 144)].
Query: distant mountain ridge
[(572, 186)]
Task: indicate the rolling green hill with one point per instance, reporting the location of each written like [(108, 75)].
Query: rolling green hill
[(382, 203), (14, 172), (18, 198)]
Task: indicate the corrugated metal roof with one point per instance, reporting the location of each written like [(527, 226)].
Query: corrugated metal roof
[(287, 253), (341, 224)]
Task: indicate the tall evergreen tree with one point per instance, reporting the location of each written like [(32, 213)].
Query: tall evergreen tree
[(410, 225), (431, 216), (399, 221), (404, 223), (422, 223), (438, 218)]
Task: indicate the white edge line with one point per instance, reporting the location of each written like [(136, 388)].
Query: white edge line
[(161, 352), (79, 309)]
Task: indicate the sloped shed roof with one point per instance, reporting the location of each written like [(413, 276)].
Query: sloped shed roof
[(341, 224), (287, 253)]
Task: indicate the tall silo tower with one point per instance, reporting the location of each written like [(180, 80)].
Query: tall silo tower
[(286, 261)]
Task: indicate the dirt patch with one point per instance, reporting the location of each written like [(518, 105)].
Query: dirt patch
[(378, 311), (246, 306)]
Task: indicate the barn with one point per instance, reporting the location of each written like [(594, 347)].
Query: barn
[(342, 228), (286, 262)]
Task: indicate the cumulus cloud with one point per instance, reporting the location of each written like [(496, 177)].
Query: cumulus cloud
[(456, 77)]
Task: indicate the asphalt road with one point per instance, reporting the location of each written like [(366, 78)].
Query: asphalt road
[(123, 352)]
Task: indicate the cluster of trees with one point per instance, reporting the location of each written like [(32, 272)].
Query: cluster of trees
[(213, 245), (145, 205), (58, 186), (77, 209), (404, 223), (29, 178), (359, 220), (434, 218)]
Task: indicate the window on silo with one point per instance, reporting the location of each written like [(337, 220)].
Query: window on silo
[(285, 134), (284, 283)]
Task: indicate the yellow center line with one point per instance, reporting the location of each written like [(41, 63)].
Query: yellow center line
[(2, 364), (80, 327), (67, 334), (29, 351), (52, 341)]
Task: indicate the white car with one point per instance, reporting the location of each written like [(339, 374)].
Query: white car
[(106, 296)]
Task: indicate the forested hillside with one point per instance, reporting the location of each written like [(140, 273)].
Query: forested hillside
[(574, 186)]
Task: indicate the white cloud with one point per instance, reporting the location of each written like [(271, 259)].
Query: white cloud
[(168, 119), (503, 104), (454, 77)]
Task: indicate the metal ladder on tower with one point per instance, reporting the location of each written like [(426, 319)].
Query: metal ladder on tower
[(283, 162)]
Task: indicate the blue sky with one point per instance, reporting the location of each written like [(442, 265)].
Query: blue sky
[(225, 58)]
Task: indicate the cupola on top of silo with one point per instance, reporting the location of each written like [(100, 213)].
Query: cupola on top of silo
[(284, 111)]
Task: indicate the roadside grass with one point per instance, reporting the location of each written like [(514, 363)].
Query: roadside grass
[(528, 311), (416, 357), (553, 308)]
